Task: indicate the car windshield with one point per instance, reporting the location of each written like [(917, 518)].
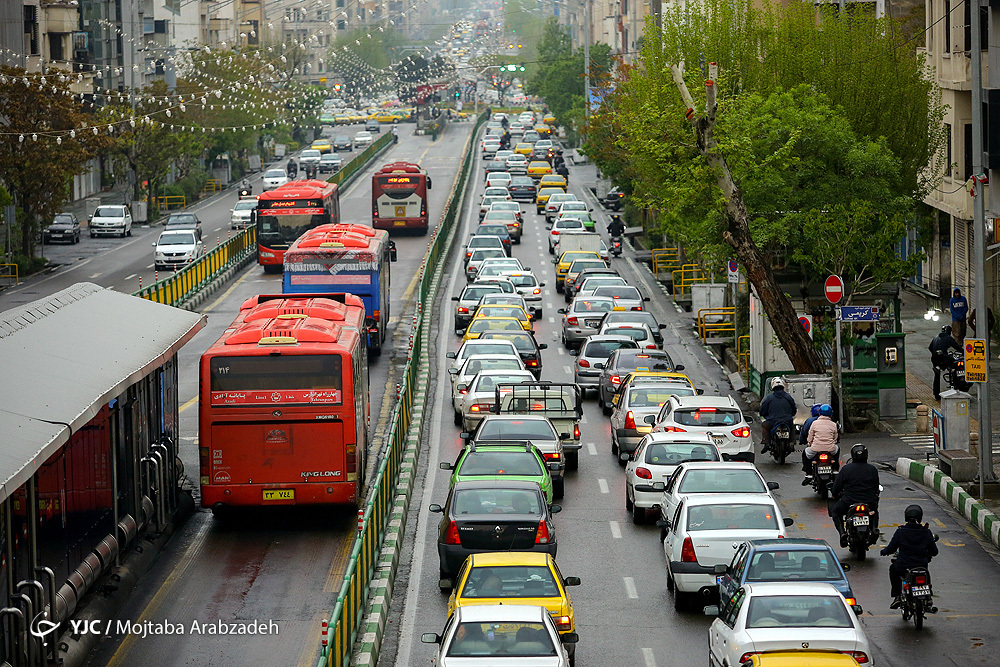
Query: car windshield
[(246, 205), (487, 383), (635, 333), (496, 501), (592, 305), (516, 429), (503, 299), (274, 173), (511, 581), (310, 152), (798, 611), (804, 565), (618, 292), (731, 516), (176, 238), (594, 283), (633, 316), (491, 230), (504, 640), (477, 292), (602, 349), (500, 463), (62, 219), (722, 481), (708, 417), (479, 347), (109, 212), (521, 341), (522, 180), (182, 219), (656, 395), (649, 361), (672, 454), (480, 255), (473, 366)]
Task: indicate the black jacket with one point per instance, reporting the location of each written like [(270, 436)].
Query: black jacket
[(857, 483), (915, 545), (941, 344), (616, 228), (778, 407)]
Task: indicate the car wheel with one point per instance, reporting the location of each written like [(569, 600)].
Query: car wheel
[(638, 515), (670, 580), (458, 419), (558, 487), (614, 446), (93, 235), (679, 599), (629, 505), (128, 232)]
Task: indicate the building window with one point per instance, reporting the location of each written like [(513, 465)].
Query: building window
[(930, 22), (947, 26), (967, 152), (31, 30), (947, 150), (56, 40)]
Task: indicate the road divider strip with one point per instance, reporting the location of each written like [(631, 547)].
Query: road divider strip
[(977, 513), (359, 616)]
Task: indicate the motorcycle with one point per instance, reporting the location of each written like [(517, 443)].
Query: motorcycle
[(861, 524), (616, 246), (918, 598), (954, 371), (246, 191), (823, 471), (782, 441)]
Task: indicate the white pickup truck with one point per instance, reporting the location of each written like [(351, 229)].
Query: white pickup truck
[(560, 403)]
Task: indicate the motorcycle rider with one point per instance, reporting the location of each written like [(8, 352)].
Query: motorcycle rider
[(824, 434), (857, 482), (915, 545), (293, 169), (939, 355), (778, 407), (804, 429), (616, 227)]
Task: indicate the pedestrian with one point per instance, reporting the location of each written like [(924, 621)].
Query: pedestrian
[(990, 322), (959, 307)]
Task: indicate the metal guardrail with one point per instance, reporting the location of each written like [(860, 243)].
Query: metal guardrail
[(743, 357), (347, 614), (212, 185), (686, 276), (708, 330), (665, 259), (9, 275), (168, 202)]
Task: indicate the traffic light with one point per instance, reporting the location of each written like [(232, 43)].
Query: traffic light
[(458, 92)]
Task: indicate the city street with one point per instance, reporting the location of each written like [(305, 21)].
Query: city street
[(624, 613)]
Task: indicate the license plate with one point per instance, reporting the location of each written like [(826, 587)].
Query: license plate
[(592, 323), (719, 440), (920, 591), (860, 521), (279, 494), (400, 223), (825, 470)]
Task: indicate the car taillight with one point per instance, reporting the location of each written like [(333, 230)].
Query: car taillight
[(616, 380), (555, 232), (747, 656), (629, 420), (562, 623), (576, 431), (531, 362), (651, 347), (673, 429), (741, 432), (480, 407), (451, 536), (920, 579), (851, 601), (552, 456), (583, 363), (860, 657), (468, 255), (463, 309), (687, 552), (542, 534), (463, 391), (572, 321), (351, 461), (643, 473)]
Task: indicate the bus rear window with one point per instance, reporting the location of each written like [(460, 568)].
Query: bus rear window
[(277, 379), (398, 187)]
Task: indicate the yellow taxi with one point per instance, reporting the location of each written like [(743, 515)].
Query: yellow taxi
[(356, 116), (542, 198), (567, 258), (322, 145), (666, 376), (524, 148), (342, 119), (387, 116), (504, 310), (800, 658), (552, 181), (480, 325), (549, 119), (543, 130), (539, 168), (517, 577)]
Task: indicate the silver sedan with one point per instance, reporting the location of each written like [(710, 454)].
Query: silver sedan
[(583, 318)]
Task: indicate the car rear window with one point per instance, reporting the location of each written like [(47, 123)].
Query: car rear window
[(496, 501), (516, 581), (633, 316), (804, 565), (635, 333), (490, 382), (478, 292), (721, 481), (516, 429), (592, 305), (648, 397), (478, 347), (602, 349), (505, 640), (618, 292), (707, 417), (798, 611), (650, 361), (500, 463), (731, 516), (520, 341), (499, 364), (522, 281), (672, 454)]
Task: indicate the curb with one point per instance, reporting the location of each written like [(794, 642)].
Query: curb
[(978, 514)]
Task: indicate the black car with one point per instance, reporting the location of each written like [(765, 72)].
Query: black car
[(372, 125), (184, 221), (522, 188), (64, 227), (492, 515), (614, 200), (642, 317), (495, 229), (528, 349), (342, 143)]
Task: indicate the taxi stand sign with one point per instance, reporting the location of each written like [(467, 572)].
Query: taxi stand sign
[(976, 365)]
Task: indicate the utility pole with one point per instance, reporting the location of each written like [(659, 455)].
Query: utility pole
[(986, 473), (586, 57)]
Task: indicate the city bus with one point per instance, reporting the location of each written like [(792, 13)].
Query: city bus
[(283, 415), (346, 257), (285, 213), (399, 197)]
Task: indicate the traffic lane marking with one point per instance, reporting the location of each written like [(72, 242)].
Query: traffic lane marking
[(630, 590), (616, 530), (602, 484), (648, 658), (592, 449)]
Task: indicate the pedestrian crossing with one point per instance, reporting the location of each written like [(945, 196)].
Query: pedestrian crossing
[(924, 442)]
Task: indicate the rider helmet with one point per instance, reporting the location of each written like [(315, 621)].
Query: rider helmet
[(946, 329), (914, 513), (826, 410), (777, 383), (815, 409), (859, 453)]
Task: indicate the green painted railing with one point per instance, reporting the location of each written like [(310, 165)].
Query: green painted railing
[(348, 612)]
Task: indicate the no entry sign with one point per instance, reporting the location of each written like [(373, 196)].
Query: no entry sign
[(833, 288)]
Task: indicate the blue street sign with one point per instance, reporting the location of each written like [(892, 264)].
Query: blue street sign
[(858, 313)]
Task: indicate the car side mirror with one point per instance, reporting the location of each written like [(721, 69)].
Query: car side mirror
[(846, 567), (450, 355), (712, 610), (624, 457), (857, 609), (659, 486), (749, 419), (650, 419), (571, 581), (679, 367), (461, 386), (527, 268), (465, 435), (430, 638), (153, 244), (561, 311), (788, 522), (663, 523), (574, 352), (662, 326), (565, 436), (773, 486), (543, 346), (701, 391), (555, 509), (599, 365), (444, 465), (645, 298), (453, 371), (541, 284), (720, 568), (569, 638), (436, 508)]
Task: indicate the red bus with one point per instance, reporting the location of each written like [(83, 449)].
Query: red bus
[(399, 197), (284, 404), (284, 214)]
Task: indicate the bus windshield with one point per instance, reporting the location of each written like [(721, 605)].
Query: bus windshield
[(244, 379)]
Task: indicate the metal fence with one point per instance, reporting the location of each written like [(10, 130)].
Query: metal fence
[(348, 612)]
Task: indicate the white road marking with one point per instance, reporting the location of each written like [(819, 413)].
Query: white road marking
[(560, 351), (592, 449), (602, 484), (96, 275), (552, 320), (130, 277), (630, 588), (647, 656), (616, 530), (150, 266), (567, 370)]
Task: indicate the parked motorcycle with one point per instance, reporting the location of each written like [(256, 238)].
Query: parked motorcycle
[(616, 246), (861, 524), (824, 468), (782, 441)]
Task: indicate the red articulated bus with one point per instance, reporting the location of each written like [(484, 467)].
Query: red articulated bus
[(284, 404), (284, 214), (399, 197)]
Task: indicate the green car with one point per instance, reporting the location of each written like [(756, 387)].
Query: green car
[(327, 119), (509, 460), (588, 221)]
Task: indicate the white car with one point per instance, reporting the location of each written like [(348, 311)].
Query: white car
[(588, 286), (527, 285), (476, 346), (501, 179), (572, 207), (638, 404), (240, 214), (176, 248), (310, 156), (718, 416), (490, 146), (113, 220), (555, 203), (654, 461), (717, 479), (591, 356), (626, 297), (703, 531), (500, 191), (785, 616), (462, 377), (640, 333), (500, 635), (559, 226), (509, 263), (362, 139), (478, 401), (517, 163), (274, 178)]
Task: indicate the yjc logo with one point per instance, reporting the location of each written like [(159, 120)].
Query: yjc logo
[(42, 628)]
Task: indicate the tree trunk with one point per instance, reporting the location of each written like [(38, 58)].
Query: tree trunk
[(792, 336), (27, 230)]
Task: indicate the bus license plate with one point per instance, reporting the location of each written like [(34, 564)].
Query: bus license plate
[(400, 223), (279, 494), (860, 521)]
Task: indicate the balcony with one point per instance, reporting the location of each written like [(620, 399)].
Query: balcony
[(61, 16)]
